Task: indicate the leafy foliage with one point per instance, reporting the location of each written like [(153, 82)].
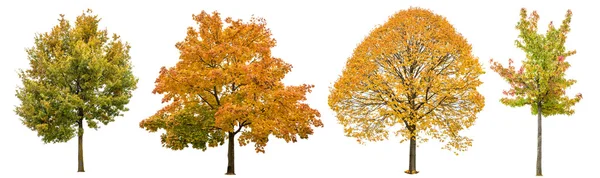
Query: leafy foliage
[(77, 73), (227, 82), (541, 78), (415, 70)]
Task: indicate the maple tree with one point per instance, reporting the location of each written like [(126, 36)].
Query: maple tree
[(78, 74), (415, 71), (540, 81), (226, 82)]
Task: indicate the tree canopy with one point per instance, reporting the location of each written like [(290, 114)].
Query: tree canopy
[(541, 77), (77, 73), (227, 82)]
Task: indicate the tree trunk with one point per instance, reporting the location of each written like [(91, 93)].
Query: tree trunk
[(538, 165), (230, 155), (412, 157), (80, 147), (412, 163)]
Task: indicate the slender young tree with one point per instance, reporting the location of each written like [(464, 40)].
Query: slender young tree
[(416, 71), (78, 75), (227, 83), (540, 81)]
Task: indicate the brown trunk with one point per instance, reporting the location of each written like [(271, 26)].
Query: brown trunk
[(412, 156), (230, 155), (412, 164), (538, 165), (80, 147)]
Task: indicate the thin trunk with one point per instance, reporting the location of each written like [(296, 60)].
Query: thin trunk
[(538, 165), (230, 155), (412, 157), (412, 164), (80, 147), (79, 133)]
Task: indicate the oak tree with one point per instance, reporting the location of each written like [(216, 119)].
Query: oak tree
[(227, 83), (78, 75), (540, 81), (415, 71)]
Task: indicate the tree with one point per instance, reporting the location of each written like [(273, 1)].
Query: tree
[(77, 74), (540, 81), (226, 82), (415, 71)]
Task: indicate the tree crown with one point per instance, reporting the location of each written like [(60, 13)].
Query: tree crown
[(541, 77)]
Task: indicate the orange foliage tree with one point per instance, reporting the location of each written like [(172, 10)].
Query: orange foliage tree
[(226, 83), (417, 71)]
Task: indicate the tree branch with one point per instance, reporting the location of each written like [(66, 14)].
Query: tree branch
[(215, 94)]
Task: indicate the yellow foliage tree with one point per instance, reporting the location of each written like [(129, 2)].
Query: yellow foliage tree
[(415, 70)]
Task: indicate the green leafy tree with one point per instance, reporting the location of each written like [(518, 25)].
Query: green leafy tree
[(78, 74), (540, 82)]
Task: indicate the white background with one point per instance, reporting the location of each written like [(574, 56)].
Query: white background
[(316, 37)]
